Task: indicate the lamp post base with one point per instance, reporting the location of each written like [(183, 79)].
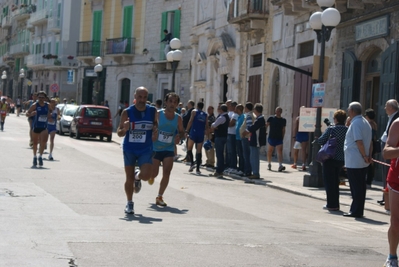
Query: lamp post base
[(310, 180)]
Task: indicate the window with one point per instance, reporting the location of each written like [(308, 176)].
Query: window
[(256, 60), (170, 22), (127, 22), (306, 49)]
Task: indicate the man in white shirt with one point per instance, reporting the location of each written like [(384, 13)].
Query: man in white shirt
[(231, 155)]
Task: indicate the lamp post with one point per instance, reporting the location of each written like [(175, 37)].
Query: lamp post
[(98, 68), (4, 78), (174, 57), (21, 76), (322, 23)]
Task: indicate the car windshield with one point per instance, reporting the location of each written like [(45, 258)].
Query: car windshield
[(69, 111), (96, 112)]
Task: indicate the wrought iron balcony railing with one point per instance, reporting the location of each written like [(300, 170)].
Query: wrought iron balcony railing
[(89, 49), (120, 46), (243, 10)]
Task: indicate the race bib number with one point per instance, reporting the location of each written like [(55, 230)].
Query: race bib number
[(137, 136), (42, 118), (141, 126), (165, 137), (2, 112), (51, 123)]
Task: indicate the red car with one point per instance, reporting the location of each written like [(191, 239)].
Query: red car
[(92, 121)]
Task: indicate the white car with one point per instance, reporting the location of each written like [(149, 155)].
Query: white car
[(66, 113)]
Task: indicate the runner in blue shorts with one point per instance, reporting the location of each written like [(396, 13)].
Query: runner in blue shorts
[(51, 125), (276, 126), (170, 131), (138, 124), (196, 129), (302, 138)]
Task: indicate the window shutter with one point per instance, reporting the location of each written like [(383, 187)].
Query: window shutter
[(176, 24), (97, 25), (127, 21), (56, 48), (164, 24)]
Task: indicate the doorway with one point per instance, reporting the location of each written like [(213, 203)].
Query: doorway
[(125, 91), (225, 88)]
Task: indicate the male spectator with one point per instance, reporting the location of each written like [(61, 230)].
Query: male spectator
[(196, 129), (220, 130), (276, 126), (210, 154), (391, 108), (391, 151), (65, 101), (258, 139), (357, 149), (158, 104), (231, 152), (166, 40), (240, 120), (302, 138), (249, 118)]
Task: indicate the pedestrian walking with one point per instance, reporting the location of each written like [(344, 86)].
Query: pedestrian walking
[(276, 126), (137, 125), (332, 167), (42, 114), (170, 130), (391, 151), (358, 148)]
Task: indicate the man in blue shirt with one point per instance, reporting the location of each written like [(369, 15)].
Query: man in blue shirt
[(357, 149)]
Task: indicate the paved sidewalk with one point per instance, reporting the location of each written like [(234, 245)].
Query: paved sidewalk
[(291, 181)]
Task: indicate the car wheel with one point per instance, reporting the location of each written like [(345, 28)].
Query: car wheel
[(109, 138), (77, 134), (60, 132)]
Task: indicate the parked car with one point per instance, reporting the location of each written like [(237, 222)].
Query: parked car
[(92, 121), (66, 113)]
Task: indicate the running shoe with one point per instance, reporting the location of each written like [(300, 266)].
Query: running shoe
[(34, 162), (391, 263), (281, 168), (159, 201), (137, 183), (151, 181), (293, 166), (192, 167), (198, 172), (129, 208), (40, 161), (269, 167), (50, 158)]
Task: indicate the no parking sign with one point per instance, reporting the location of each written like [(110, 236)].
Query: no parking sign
[(54, 88)]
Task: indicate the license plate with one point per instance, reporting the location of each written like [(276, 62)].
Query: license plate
[(96, 123)]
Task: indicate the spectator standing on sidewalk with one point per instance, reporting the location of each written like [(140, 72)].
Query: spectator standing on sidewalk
[(391, 151), (220, 127), (196, 129), (249, 118), (302, 138), (138, 124), (392, 110), (257, 139), (358, 148), (369, 115), (210, 153), (231, 152), (332, 167), (240, 120), (276, 126), (3, 113), (186, 118)]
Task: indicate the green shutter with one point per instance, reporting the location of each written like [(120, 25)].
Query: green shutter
[(97, 29), (57, 44), (127, 21), (49, 47), (164, 24), (176, 24)]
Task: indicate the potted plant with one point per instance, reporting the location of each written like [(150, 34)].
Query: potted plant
[(57, 62)]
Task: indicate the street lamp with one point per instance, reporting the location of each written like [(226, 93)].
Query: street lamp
[(4, 78), (98, 68), (21, 76), (322, 23), (174, 58)]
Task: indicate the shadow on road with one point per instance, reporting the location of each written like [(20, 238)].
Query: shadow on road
[(168, 209), (140, 218)]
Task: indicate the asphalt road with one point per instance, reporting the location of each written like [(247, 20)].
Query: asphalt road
[(70, 213)]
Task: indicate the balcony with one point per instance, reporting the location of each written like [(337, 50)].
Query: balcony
[(35, 61), (39, 17), (54, 25), (90, 49), (8, 59), (19, 49), (252, 12), (21, 13), (120, 48), (6, 22)]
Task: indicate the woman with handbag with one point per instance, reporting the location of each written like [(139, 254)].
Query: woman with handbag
[(332, 167), (369, 115)]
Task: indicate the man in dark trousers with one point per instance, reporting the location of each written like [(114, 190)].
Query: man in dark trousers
[(186, 118)]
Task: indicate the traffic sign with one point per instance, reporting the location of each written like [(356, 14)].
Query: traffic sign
[(54, 88), (318, 91), (307, 118), (29, 82)]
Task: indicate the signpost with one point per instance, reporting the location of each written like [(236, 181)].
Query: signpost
[(318, 91), (54, 88)]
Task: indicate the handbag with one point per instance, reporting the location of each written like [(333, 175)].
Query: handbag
[(327, 151), (376, 146)]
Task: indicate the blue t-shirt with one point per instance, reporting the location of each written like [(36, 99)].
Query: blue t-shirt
[(138, 139), (240, 121), (40, 120), (199, 123), (166, 133)]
